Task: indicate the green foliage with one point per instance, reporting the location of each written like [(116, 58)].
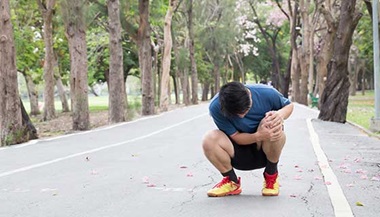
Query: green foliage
[(363, 39), (29, 43)]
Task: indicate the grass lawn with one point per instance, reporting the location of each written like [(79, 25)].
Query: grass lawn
[(361, 108)]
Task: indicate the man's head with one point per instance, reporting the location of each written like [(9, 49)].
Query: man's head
[(235, 99)]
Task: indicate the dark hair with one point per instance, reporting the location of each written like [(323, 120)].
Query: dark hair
[(234, 99)]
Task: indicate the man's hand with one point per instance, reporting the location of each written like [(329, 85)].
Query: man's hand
[(270, 127)]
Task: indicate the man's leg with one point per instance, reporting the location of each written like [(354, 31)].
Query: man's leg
[(272, 151), (219, 149)]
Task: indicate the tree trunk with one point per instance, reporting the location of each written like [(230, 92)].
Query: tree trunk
[(334, 99), (145, 59), (117, 86), (76, 35), (61, 93), (293, 67), (194, 73), (206, 88), (216, 77), (47, 10), (33, 94), (10, 109), (305, 50), (175, 88), (166, 59), (185, 84), (326, 49), (29, 130)]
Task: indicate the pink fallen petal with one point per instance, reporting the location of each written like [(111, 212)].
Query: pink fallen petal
[(361, 171), (364, 177), (347, 171), (300, 170), (344, 166), (350, 185), (318, 178), (357, 160), (297, 177), (189, 175), (94, 172), (145, 179), (375, 178), (327, 183), (150, 185), (330, 160), (347, 157)]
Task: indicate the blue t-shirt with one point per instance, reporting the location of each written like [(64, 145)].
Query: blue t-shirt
[(264, 99)]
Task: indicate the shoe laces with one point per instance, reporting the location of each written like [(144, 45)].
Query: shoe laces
[(269, 181), (224, 181)]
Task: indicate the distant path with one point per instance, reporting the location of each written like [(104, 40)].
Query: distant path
[(155, 167)]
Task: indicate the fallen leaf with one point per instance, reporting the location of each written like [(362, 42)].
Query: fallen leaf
[(293, 195), (359, 204), (183, 167), (87, 159)]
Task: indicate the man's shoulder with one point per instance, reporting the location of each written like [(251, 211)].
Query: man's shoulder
[(214, 103)]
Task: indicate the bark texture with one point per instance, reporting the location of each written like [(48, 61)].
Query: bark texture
[(47, 9), (334, 99), (116, 74), (145, 59), (76, 35)]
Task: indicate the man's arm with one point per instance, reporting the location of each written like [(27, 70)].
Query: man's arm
[(270, 127)]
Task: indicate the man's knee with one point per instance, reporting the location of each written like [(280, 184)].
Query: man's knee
[(210, 139), (276, 144)]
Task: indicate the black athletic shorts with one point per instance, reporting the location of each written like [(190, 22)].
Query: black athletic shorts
[(247, 157)]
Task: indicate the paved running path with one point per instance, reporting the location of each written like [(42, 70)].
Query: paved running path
[(155, 167)]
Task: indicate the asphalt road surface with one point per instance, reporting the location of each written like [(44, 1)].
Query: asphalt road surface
[(155, 167)]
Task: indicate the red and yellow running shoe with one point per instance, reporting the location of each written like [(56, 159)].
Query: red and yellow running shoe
[(225, 188), (271, 187)]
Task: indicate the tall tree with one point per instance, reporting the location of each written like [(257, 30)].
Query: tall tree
[(75, 30), (166, 59), (47, 11), (305, 50), (117, 92), (145, 58), (11, 119), (334, 99), (193, 64)]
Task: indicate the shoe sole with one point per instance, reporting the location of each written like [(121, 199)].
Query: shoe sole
[(269, 194), (236, 192)]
